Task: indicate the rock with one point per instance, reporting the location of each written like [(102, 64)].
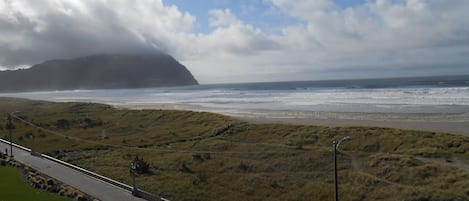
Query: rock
[(50, 182), (81, 197)]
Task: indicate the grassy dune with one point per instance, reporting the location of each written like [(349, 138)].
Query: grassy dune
[(204, 156)]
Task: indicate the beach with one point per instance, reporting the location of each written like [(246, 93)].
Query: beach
[(459, 127), (437, 104), (456, 123)]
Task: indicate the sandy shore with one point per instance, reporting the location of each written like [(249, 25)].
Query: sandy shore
[(457, 123), (450, 123), (434, 126)]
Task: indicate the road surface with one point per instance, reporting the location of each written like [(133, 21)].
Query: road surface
[(81, 181)]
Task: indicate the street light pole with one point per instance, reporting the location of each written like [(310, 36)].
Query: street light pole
[(10, 127), (336, 185), (31, 137), (336, 180)]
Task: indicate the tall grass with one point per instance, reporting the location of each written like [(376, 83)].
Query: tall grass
[(204, 156)]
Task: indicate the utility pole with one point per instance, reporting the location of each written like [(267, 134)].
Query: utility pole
[(336, 185), (10, 127)]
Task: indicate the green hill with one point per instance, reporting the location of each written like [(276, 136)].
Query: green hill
[(99, 72)]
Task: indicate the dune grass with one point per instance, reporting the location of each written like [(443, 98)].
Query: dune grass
[(14, 188), (204, 156)]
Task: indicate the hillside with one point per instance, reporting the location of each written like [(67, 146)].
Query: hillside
[(99, 72)]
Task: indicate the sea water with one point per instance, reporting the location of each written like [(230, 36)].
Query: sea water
[(423, 95)]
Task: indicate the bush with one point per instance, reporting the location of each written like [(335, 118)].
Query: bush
[(9, 126), (63, 124), (244, 167), (186, 169), (435, 199), (90, 123), (141, 166)]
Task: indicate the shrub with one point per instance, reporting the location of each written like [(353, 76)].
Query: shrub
[(185, 169), (435, 199), (9, 126), (63, 124), (90, 123), (243, 167), (141, 166)]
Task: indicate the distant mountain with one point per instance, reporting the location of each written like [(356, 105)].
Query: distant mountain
[(104, 71)]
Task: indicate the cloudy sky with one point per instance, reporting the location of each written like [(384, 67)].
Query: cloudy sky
[(248, 40)]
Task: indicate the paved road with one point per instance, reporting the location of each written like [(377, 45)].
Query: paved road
[(81, 181)]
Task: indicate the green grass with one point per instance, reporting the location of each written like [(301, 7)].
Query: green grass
[(14, 188), (246, 161)]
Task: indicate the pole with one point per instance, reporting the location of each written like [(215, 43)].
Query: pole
[(336, 185), (10, 126), (133, 172), (134, 183), (31, 136)]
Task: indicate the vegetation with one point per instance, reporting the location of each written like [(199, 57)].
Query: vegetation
[(14, 188), (141, 166), (204, 156)]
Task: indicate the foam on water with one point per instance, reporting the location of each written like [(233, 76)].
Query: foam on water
[(386, 100), (441, 95)]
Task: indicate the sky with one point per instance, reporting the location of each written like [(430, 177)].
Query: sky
[(230, 41)]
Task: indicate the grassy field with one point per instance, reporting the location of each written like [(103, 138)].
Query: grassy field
[(204, 156), (14, 188)]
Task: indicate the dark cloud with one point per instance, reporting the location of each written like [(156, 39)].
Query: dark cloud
[(32, 33)]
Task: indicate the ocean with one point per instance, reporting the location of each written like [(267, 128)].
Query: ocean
[(420, 95)]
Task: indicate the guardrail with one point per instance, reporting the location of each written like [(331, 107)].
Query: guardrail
[(137, 193), (16, 145), (89, 173)]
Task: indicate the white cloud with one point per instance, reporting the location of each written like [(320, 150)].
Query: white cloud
[(222, 18), (379, 35), (377, 38), (304, 9)]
